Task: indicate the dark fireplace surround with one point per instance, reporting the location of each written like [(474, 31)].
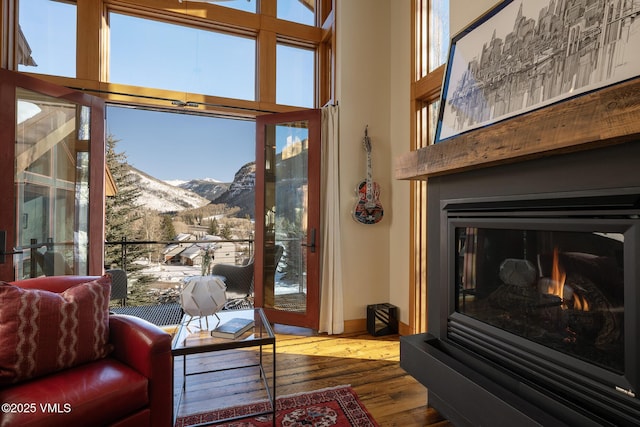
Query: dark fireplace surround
[(499, 349), (478, 374)]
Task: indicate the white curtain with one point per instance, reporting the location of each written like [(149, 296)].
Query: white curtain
[(331, 307)]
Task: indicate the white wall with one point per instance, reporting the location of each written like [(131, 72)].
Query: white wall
[(372, 87), (464, 12), (373, 77), (400, 98), (363, 55)]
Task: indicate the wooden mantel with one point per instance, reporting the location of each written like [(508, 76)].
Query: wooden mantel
[(607, 116)]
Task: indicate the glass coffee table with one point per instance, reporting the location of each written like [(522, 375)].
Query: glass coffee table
[(194, 337)]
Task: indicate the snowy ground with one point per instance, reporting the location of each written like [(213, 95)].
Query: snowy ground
[(173, 275)]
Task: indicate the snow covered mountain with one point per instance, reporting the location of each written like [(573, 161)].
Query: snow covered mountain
[(207, 187), (241, 192), (162, 197)]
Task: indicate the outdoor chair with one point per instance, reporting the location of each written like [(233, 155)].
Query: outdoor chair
[(239, 278), (239, 281), (119, 285)]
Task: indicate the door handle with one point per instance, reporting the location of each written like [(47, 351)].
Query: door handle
[(312, 244), (3, 247)]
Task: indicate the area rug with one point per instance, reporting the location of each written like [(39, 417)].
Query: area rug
[(336, 406)]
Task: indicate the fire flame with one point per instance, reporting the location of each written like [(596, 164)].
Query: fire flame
[(556, 286), (558, 277), (580, 303)]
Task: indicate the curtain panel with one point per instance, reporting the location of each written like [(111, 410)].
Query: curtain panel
[(331, 304)]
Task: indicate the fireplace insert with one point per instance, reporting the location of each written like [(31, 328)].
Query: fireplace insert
[(541, 288), (534, 292), (563, 290)]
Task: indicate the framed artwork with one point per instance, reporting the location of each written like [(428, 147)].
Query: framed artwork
[(524, 55)]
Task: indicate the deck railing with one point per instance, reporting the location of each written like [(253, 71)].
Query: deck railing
[(168, 263)]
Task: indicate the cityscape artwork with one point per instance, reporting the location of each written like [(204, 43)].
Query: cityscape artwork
[(523, 55)]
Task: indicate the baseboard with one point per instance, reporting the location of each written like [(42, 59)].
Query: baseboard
[(355, 325), (404, 329), (360, 325)]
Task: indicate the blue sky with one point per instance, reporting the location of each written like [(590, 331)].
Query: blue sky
[(171, 146), (175, 146), (179, 146)]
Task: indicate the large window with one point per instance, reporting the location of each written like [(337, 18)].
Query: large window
[(184, 81), (145, 52), (235, 56)]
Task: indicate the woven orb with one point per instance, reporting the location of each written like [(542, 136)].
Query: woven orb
[(203, 296)]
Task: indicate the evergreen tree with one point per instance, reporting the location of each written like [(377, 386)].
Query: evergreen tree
[(291, 261), (168, 230), (121, 215), (226, 232), (214, 228)]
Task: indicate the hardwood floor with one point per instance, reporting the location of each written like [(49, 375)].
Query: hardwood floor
[(308, 362)]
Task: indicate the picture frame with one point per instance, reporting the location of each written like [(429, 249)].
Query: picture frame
[(521, 56)]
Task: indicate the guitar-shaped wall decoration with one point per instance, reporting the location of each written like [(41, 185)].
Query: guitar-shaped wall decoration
[(368, 209)]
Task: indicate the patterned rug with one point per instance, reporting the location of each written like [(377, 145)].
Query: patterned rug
[(337, 406)]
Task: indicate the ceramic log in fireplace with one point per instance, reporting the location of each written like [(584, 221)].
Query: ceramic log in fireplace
[(534, 292)]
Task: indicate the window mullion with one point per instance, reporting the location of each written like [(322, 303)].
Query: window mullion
[(266, 64), (268, 8), (89, 18)]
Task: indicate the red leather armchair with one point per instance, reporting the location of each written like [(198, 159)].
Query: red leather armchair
[(132, 386)]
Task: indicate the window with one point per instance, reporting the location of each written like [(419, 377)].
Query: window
[(171, 66), (431, 44), (180, 177), (46, 39), (431, 48), (218, 57), (437, 46), (438, 39), (294, 76), (52, 185), (149, 53)]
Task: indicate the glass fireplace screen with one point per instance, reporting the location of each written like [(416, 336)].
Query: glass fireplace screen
[(561, 289)]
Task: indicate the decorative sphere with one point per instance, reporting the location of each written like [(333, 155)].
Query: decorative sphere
[(203, 296)]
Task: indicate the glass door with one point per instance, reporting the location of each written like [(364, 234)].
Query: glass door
[(288, 217), (52, 162)]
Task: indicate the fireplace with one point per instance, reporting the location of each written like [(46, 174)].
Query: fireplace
[(552, 288), (534, 292)]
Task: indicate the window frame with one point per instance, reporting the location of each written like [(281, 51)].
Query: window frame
[(92, 53), (425, 89)]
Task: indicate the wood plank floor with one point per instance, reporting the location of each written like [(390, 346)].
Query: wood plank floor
[(306, 362)]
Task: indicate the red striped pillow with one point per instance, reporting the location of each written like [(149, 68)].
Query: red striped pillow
[(43, 332)]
